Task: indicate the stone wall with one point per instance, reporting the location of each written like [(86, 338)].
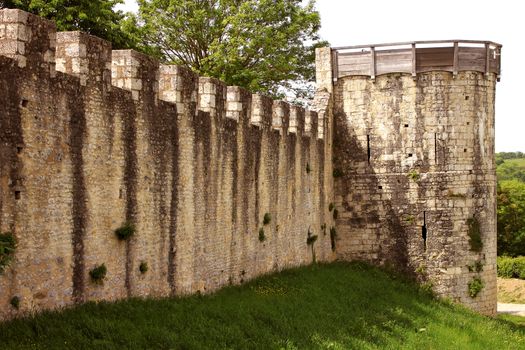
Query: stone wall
[(414, 160), (113, 137)]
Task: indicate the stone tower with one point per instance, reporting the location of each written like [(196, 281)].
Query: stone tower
[(415, 182)]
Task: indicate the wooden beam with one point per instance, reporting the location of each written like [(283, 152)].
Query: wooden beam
[(417, 42), (373, 63), (487, 58), (335, 65), (414, 72), (456, 58)]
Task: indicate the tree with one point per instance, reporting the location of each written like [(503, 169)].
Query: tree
[(263, 45), (511, 217), (96, 17)]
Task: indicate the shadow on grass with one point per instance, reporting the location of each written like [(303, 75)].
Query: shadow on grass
[(326, 306)]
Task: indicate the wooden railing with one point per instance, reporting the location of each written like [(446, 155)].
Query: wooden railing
[(417, 57)]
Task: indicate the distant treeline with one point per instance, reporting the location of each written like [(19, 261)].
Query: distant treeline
[(511, 203), (501, 156)]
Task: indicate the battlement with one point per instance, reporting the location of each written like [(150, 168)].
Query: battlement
[(108, 137), (34, 42)]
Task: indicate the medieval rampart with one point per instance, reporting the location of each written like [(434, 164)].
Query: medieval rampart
[(220, 185)]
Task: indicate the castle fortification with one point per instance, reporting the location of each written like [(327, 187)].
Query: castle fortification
[(413, 146), (221, 185), (91, 139)]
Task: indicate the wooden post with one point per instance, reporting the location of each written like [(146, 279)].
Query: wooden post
[(335, 65), (456, 59), (487, 58), (373, 63), (414, 61)]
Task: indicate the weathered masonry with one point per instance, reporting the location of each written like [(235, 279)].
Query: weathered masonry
[(219, 184), (120, 176), (414, 163)]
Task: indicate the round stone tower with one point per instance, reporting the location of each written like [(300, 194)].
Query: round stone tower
[(415, 182)]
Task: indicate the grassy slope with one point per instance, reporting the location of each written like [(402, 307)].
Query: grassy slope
[(336, 306)]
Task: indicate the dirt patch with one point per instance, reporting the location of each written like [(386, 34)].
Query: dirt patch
[(511, 290)]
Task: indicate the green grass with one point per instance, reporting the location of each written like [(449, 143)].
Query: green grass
[(335, 306)]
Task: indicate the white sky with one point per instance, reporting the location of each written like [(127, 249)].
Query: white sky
[(351, 22)]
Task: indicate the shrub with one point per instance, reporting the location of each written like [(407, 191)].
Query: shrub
[(267, 219), (475, 286), (98, 273), (511, 267), (474, 233), (308, 168), (143, 267), (505, 267), (262, 236), (331, 206), (125, 231), (520, 267), (7, 249), (413, 175)]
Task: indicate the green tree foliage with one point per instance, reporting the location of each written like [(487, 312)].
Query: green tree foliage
[(511, 203), (263, 45), (510, 169), (96, 17), (511, 217)]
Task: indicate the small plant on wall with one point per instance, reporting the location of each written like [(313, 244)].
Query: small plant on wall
[(475, 286), (413, 175), (308, 168), (267, 219), (98, 274), (331, 206), (7, 249), (125, 231), (262, 237), (143, 267)]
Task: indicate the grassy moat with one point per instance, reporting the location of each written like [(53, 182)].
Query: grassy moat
[(334, 306)]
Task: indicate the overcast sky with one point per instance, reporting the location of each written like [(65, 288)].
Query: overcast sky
[(349, 22)]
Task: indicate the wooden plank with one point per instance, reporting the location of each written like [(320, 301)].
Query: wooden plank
[(393, 51), (398, 68), (434, 57), (474, 65), (349, 67), (401, 56), (345, 60), (373, 63), (441, 68), (487, 60), (335, 65), (456, 58)]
